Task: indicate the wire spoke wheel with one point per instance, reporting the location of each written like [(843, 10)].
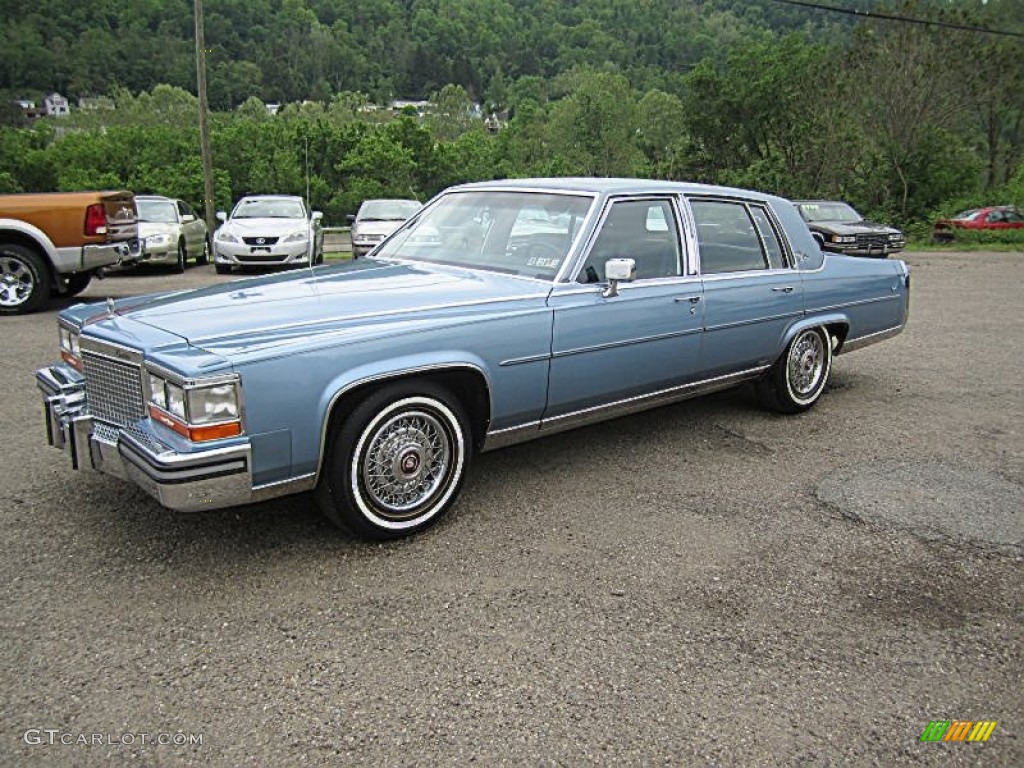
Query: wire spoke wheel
[(405, 461), (805, 365)]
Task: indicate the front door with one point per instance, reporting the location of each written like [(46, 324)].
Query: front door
[(609, 350)]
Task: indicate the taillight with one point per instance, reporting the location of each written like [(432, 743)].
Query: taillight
[(95, 220)]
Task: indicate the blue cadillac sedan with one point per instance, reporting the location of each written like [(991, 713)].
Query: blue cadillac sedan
[(501, 312)]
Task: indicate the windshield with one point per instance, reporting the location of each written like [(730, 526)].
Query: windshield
[(157, 211), (388, 210), (829, 212), (520, 233), (257, 208)]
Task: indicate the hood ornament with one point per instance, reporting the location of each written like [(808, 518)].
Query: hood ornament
[(110, 305)]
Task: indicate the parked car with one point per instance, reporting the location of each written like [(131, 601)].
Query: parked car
[(170, 232), (376, 219), (373, 382), (268, 230), (54, 242), (994, 218), (840, 229)]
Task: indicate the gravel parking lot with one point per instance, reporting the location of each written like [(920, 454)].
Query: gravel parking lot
[(706, 583)]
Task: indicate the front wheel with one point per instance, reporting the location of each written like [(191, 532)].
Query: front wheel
[(798, 378), (223, 269), (182, 257), (205, 255), (396, 464)]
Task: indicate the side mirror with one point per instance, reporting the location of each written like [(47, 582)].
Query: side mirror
[(221, 216), (351, 217), (187, 217), (316, 215), (616, 271)]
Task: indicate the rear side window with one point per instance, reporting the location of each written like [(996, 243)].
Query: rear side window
[(734, 237), (769, 237)]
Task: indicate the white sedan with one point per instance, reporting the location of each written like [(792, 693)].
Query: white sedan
[(268, 230)]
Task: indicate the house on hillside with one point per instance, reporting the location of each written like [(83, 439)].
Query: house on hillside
[(56, 105)]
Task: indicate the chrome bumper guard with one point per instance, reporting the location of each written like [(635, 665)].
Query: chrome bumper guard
[(187, 482)]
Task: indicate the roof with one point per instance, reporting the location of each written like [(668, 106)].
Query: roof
[(612, 186)]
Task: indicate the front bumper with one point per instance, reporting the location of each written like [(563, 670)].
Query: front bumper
[(188, 482), (877, 252), (278, 254)]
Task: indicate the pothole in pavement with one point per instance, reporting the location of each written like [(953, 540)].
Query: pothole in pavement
[(933, 500)]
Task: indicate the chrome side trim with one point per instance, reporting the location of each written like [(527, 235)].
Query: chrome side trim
[(524, 360), (626, 342), (852, 345), (522, 433), (755, 321), (500, 438), (292, 485), (860, 302)]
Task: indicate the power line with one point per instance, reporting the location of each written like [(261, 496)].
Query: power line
[(905, 19)]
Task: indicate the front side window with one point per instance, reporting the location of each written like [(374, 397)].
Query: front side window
[(515, 232), (729, 239), (642, 230)]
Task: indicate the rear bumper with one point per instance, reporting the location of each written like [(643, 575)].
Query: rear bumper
[(96, 256), (187, 482)]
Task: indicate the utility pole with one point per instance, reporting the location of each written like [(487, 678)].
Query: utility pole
[(204, 125)]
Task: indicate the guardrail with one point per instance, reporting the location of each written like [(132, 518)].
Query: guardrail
[(337, 239)]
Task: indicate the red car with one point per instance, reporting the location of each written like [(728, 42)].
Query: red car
[(993, 218)]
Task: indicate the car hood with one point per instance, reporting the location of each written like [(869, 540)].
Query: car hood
[(376, 227), (150, 228), (264, 227), (853, 228), (355, 301)]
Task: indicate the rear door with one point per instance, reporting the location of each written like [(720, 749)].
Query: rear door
[(751, 291)]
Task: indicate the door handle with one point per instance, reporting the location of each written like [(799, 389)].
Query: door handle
[(784, 289), (691, 299)]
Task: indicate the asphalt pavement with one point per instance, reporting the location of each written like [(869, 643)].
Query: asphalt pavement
[(706, 583)]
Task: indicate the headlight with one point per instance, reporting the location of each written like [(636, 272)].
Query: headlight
[(157, 241), (195, 410), (297, 237), (226, 237), (70, 351), (844, 238), (896, 236), (175, 400), (212, 404)]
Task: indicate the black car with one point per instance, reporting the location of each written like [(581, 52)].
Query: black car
[(840, 229)]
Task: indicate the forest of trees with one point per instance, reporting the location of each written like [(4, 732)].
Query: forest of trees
[(904, 120)]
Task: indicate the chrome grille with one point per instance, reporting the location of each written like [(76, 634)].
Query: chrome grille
[(113, 389), (872, 240), (260, 240)]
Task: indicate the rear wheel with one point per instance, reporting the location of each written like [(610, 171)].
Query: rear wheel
[(798, 378), (78, 283), (182, 256), (24, 279), (396, 464)]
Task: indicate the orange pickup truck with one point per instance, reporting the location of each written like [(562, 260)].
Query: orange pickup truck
[(53, 243)]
